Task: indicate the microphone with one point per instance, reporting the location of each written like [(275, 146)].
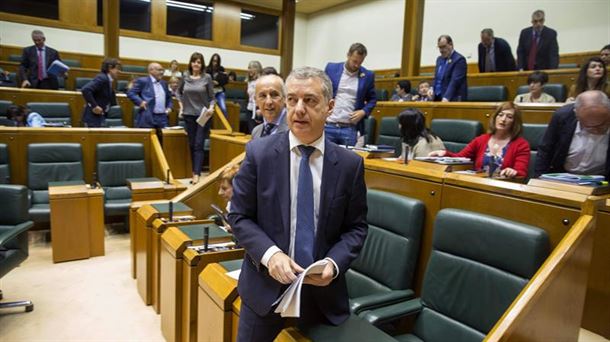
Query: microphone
[(167, 177), (206, 237), (171, 211), (94, 185)]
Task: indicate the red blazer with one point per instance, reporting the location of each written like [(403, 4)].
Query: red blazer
[(517, 154)]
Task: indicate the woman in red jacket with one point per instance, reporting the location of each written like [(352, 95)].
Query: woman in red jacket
[(502, 149)]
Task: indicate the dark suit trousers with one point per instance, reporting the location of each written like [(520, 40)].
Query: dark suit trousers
[(255, 328), (47, 83)]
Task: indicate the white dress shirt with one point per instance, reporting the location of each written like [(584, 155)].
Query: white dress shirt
[(345, 100), (587, 153), (316, 163)]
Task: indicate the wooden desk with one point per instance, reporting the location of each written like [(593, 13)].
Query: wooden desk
[(177, 153), (143, 242), (180, 267), (133, 212), (223, 148), (77, 222), (217, 292), (146, 189)]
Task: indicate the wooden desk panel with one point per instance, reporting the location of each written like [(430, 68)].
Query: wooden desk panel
[(177, 154), (223, 148)]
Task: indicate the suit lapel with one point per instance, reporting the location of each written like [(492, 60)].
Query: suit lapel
[(361, 81), (282, 149), (328, 187)]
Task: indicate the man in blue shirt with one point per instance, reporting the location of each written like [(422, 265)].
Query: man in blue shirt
[(23, 118), (450, 73)]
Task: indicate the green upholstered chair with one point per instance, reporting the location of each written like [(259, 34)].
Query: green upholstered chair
[(353, 330), (116, 163), (121, 86), (487, 93), (478, 265), (61, 83), (456, 134), (533, 133), (56, 162), (114, 118), (14, 227), (52, 112), (383, 272), (369, 130), (72, 63), (557, 90), (134, 68), (14, 58), (5, 169), (240, 97), (4, 106), (567, 66), (389, 134), (382, 94), (80, 82)]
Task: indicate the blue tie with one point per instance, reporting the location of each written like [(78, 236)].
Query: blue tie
[(303, 246)]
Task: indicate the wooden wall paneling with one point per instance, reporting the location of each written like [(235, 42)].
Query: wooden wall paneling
[(111, 9), (226, 25), (83, 12), (412, 37), (158, 20), (287, 36)]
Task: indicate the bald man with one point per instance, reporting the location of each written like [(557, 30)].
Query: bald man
[(270, 98), (152, 95), (576, 140)]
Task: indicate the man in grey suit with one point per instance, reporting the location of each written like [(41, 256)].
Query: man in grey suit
[(270, 97)]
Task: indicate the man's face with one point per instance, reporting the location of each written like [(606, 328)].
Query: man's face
[(307, 108), (156, 71), (605, 56), (593, 118), (38, 40), (445, 48), (114, 72), (354, 61), (486, 40), (423, 89), (537, 22), (269, 97)]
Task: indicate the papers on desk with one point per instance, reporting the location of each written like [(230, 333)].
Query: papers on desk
[(446, 160), (57, 68), (575, 179), (234, 274), (290, 301)]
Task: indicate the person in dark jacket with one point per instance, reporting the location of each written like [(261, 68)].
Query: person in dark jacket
[(35, 62), (538, 48), (99, 94), (494, 53)]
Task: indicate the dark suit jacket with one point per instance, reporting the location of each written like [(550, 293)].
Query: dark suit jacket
[(260, 217), (454, 86), (366, 97), (547, 56), (28, 69), (503, 56), (282, 127), (98, 92), (553, 150), (143, 90)]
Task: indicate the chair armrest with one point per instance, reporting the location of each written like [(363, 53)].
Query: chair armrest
[(392, 312), (377, 300), (8, 233)]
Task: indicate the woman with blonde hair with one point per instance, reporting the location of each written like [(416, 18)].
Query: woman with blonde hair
[(255, 69)]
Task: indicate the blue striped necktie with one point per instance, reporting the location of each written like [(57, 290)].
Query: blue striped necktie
[(303, 246)]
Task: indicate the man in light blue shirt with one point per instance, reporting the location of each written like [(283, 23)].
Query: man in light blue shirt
[(23, 118)]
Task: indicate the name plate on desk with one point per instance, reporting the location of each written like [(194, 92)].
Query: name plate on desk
[(441, 166), (145, 183)]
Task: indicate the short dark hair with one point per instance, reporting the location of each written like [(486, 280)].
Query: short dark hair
[(357, 47), (447, 38), (488, 32), (269, 71), (538, 77), (404, 84), (422, 82), (517, 128), (15, 110), (109, 63), (607, 47), (413, 126), (195, 56)]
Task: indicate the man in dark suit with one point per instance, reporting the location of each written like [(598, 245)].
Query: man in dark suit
[(152, 95), (576, 140), (494, 53), (99, 94), (297, 198), (538, 48), (35, 62), (450, 73), (354, 94), (270, 98)]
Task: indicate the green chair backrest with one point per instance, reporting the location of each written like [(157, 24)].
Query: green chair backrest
[(477, 267), (80, 82), (134, 68), (73, 63), (389, 134), (456, 134), (487, 93), (382, 94), (533, 133), (114, 118), (4, 106), (369, 130), (5, 168), (52, 111)]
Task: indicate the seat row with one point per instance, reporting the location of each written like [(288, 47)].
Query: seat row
[(494, 93), (60, 112), (61, 164)]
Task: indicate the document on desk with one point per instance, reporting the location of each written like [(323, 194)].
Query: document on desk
[(234, 274), (290, 301)]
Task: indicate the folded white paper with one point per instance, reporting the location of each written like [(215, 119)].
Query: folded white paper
[(290, 301), (204, 116), (234, 274)]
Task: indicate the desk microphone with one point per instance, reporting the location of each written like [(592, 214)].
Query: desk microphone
[(94, 185), (206, 237), (171, 211), (167, 177)]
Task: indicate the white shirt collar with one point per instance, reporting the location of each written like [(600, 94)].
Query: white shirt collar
[(154, 80), (318, 144), (581, 131), (349, 73)]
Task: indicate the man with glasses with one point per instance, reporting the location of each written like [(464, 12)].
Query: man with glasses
[(538, 48)]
